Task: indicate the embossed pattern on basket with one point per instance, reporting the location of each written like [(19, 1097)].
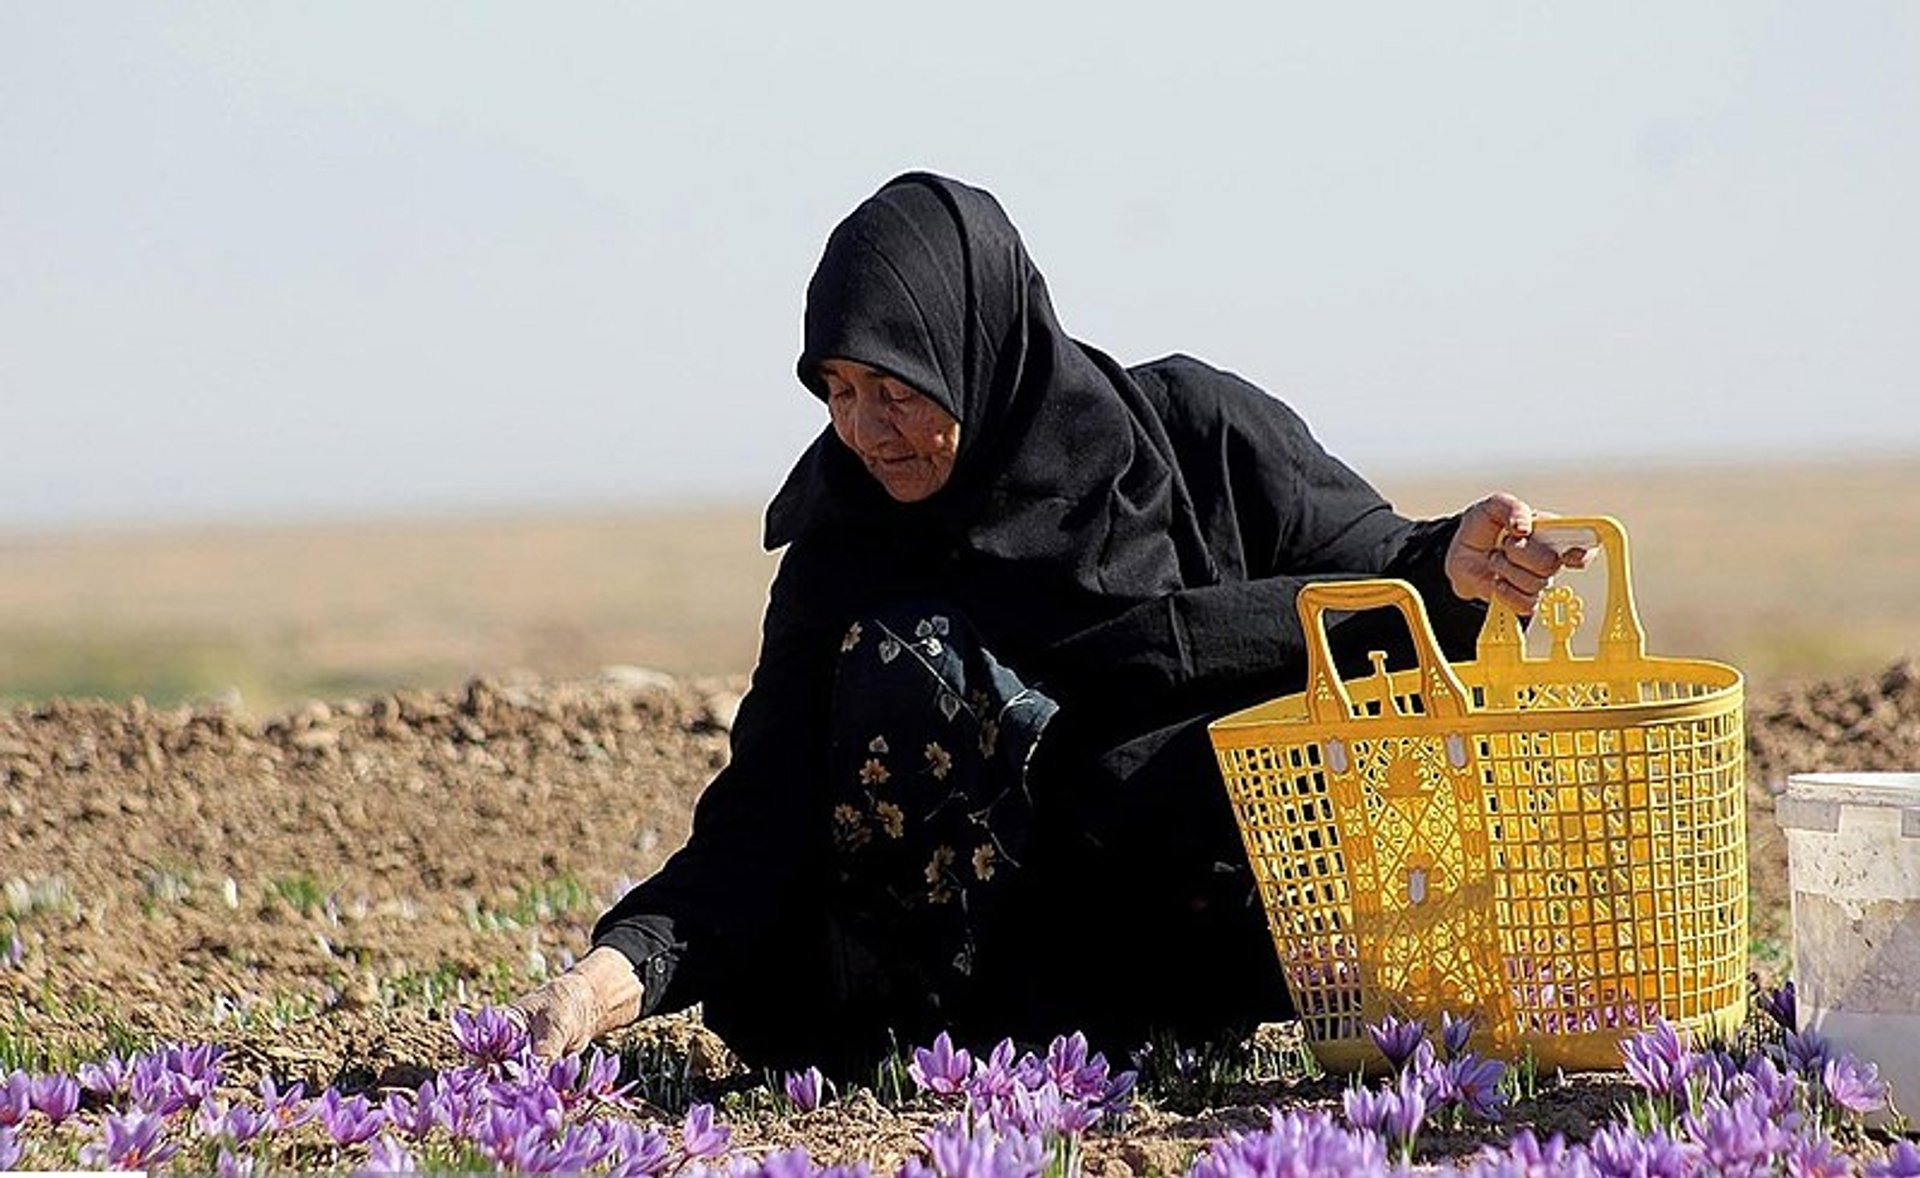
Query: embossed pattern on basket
[(1557, 844)]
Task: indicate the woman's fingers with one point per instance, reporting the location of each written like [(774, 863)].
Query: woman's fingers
[(1520, 574)]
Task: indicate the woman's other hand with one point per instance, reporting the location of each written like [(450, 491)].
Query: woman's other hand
[(601, 993), (1494, 554)]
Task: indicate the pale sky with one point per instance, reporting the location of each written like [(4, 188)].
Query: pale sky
[(279, 260)]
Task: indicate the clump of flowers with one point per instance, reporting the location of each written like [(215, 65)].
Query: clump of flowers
[(1771, 1107)]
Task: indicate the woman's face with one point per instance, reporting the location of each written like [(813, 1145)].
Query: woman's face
[(904, 438)]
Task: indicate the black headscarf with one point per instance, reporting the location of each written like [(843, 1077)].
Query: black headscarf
[(1063, 471)]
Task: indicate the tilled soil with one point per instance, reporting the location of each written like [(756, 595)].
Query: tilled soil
[(316, 888)]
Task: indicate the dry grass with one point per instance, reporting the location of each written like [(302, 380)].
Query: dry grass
[(1786, 572)]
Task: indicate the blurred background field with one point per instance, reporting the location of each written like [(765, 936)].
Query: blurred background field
[(1788, 571)]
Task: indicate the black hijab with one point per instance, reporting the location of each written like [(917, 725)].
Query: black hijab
[(1065, 481)]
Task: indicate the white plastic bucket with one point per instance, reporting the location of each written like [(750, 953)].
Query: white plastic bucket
[(1853, 862)]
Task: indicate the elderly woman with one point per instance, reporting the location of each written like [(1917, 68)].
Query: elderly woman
[(971, 787)]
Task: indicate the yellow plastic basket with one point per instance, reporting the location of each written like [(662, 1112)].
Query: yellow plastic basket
[(1555, 844)]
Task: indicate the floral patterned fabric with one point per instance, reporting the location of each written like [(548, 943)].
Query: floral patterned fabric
[(931, 812)]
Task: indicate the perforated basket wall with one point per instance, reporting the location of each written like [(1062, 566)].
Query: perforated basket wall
[(1557, 844)]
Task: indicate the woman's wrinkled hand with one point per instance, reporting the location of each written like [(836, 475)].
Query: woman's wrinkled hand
[(601, 993), (1495, 555)]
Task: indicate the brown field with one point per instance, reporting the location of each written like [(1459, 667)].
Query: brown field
[(314, 884), (1787, 572)]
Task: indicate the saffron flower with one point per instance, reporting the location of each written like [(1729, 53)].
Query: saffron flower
[(1619, 1152), (1902, 1162), (700, 1137), (1736, 1137), (349, 1121), (232, 1165), (10, 1150), (1765, 1080), (106, 1079), (237, 1125), (1308, 1145), (1816, 1156), (412, 1114), (964, 1147), (940, 1070), (804, 1089), (285, 1110), (13, 953), (640, 1152), (1854, 1085), (1454, 1033), (387, 1156), (1782, 1006), (489, 1035), (1806, 1051), (1658, 1060), (1394, 1113), (133, 1141), (1397, 1039), (15, 1098), (1474, 1082), (1526, 1156), (57, 1097)]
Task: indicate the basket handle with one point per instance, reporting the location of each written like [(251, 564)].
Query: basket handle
[(1622, 639), (1327, 698)]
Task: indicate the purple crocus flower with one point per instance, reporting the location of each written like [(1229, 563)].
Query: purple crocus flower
[(412, 1113), (55, 1096), (1815, 1155), (700, 1137), (1526, 1156), (804, 1089), (154, 1088), (940, 1070), (1394, 1113), (1658, 1060), (387, 1156), (489, 1035), (1854, 1084), (16, 1098), (133, 1141), (639, 1152), (997, 1076), (1303, 1144), (1902, 1162), (1079, 1075), (351, 1120), (1619, 1152), (10, 1150), (285, 1110), (1736, 1137), (1711, 1074), (13, 952), (237, 1125), (1806, 1051), (1782, 1006), (1765, 1080), (963, 1147), (781, 1163), (106, 1079), (600, 1078), (1454, 1033), (1474, 1081), (1397, 1039), (580, 1148), (233, 1165)]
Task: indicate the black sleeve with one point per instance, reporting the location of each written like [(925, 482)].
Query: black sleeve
[(757, 840), (1298, 515)]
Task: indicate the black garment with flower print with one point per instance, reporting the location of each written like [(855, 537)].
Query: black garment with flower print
[(1128, 542), (932, 816)]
